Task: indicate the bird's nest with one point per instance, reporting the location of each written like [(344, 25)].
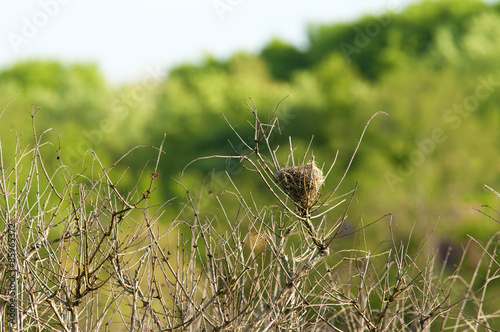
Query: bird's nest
[(301, 183)]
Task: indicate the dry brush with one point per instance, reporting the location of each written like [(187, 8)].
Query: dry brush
[(79, 253)]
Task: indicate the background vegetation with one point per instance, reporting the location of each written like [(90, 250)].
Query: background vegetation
[(423, 66), (433, 67)]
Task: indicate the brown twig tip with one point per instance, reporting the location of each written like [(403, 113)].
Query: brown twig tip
[(301, 183)]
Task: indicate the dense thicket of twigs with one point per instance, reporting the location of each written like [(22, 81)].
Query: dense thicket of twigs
[(89, 257)]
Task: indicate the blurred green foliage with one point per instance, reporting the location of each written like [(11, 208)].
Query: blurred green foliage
[(432, 66)]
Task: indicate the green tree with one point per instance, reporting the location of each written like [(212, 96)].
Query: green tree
[(283, 59)]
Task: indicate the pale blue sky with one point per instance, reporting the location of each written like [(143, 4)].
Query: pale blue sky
[(127, 37)]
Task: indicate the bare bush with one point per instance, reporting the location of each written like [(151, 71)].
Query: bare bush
[(80, 254)]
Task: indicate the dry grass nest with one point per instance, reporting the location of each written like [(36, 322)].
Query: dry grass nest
[(301, 183)]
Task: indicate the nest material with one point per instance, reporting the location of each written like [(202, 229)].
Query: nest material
[(301, 183)]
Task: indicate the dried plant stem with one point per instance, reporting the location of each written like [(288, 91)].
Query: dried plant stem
[(90, 256)]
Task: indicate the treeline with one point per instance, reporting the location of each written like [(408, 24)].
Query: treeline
[(433, 67)]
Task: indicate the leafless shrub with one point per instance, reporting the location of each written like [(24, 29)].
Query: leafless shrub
[(88, 257), (73, 233)]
